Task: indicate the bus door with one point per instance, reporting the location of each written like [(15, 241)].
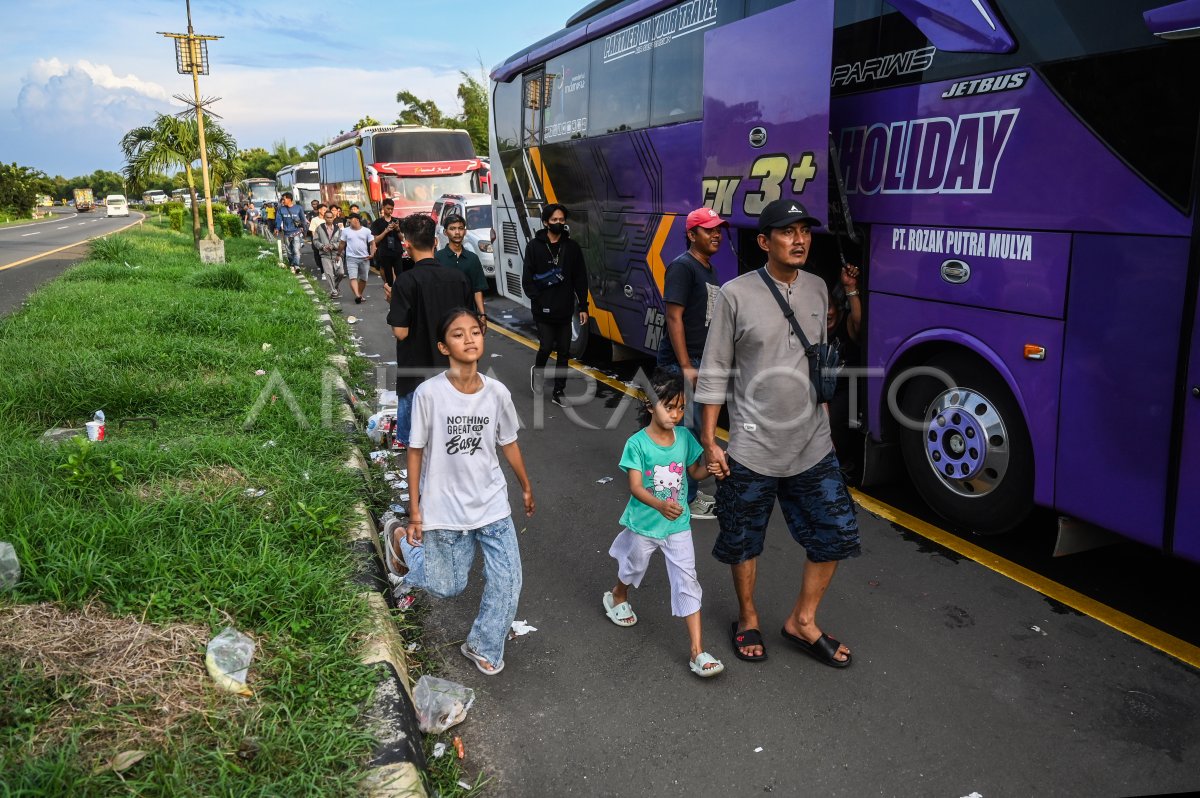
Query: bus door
[(766, 115), (1186, 541)]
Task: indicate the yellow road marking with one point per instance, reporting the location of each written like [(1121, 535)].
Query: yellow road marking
[(1138, 630), (32, 258)]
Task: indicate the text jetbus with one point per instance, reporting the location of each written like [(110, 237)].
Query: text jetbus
[(1018, 178), (409, 164)]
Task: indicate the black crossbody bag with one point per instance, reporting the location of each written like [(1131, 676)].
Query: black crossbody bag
[(824, 358)]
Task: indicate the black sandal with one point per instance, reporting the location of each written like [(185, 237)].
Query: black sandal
[(750, 637), (824, 649)]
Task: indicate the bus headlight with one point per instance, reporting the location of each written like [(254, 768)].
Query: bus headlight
[(485, 246)]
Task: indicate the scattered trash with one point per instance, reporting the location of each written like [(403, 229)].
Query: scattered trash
[(376, 354), (266, 347), (873, 583), (521, 628), (402, 484), (255, 493), (466, 786), (270, 444), (122, 762), (228, 660), (973, 795), (95, 427), (376, 426), (441, 703), (411, 648), (604, 480), (352, 319), (398, 509), (305, 476), (10, 567), (439, 750), (523, 529), (496, 355), (403, 497), (391, 476), (1037, 629), (458, 748), (259, 373), (379, 456), (759, 749), (404, 601)]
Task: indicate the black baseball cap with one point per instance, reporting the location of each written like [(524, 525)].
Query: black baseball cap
[(781, 213)]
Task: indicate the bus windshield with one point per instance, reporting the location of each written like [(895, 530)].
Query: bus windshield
[(403, 146), (425, 189), (262, 191), (307, 176)]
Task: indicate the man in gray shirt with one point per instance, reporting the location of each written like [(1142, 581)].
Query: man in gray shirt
[(779, 443)]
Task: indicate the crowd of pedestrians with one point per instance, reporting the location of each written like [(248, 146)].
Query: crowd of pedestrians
[(733, 348)]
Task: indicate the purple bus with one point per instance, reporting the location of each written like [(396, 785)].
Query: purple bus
[(1017, 179)]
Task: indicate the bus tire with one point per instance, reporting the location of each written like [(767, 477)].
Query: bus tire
[(966, 446)]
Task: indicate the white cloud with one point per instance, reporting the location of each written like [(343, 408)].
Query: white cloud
[(79, 97)]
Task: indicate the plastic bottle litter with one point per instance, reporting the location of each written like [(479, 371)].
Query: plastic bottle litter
[(95, 427), (441, 703), (604, 480), (228, 660), (10, 568)]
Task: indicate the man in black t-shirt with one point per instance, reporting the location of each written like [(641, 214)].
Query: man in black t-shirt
[(388, 246), (421, 298), (689, 293)]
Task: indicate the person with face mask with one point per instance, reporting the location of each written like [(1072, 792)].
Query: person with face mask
[(555, 280)]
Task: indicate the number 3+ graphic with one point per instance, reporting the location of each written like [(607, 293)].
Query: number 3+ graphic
[(771, 170)]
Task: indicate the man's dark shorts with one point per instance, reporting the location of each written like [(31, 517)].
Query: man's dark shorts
[(816, 507)]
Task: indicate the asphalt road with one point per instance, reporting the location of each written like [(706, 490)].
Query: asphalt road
[(963, 681), (20, 276)]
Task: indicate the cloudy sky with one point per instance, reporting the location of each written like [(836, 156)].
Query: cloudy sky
[(76, 74)]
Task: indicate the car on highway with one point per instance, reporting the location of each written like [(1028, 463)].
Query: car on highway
[(476, 209), (116, 205)]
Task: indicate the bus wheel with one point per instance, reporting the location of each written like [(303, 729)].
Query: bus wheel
[(966, 446)]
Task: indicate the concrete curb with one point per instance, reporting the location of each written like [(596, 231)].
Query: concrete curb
[(398, 762)]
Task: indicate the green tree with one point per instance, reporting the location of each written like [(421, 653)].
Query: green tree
[(366, 121), (19, 187), (173, 142), (472, 93), (310, 151)]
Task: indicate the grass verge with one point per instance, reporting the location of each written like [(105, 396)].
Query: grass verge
[(218, 499)]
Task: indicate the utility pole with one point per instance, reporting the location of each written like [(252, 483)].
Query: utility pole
[(191, 57)]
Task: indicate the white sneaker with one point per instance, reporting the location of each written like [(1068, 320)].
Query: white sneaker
[(702, 496), (702, 510)]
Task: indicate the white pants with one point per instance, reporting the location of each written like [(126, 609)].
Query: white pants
[(632, 553)]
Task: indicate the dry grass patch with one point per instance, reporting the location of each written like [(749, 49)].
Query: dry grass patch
[(128, 682), (211, 481)]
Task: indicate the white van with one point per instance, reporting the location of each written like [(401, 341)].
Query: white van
[(481, 236), (116, 205)]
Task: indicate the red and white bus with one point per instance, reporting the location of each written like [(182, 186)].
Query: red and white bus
[(410, 164)]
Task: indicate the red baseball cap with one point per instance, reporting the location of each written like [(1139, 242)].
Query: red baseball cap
[(703, 217)]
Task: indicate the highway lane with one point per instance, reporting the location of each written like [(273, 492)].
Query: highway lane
[(31, 254), (964, 680)]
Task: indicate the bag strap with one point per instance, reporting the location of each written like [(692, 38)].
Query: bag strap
[(785, 307)]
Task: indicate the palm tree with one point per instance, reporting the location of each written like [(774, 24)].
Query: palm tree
[(171, 142)]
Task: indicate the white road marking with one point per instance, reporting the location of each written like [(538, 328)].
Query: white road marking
[(35, 232), (64, 227), (81, 224)]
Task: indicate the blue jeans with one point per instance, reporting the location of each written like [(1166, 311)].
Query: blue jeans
[(692, 420), (440, 566), (404, 418), (291, 245)]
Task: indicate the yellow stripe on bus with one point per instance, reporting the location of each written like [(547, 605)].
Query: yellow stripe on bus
[(654, 257), (536, 154)]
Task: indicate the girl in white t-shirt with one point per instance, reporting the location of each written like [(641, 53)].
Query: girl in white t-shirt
[(459, 498)]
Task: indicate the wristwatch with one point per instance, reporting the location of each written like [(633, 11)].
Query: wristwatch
[(852, 293)]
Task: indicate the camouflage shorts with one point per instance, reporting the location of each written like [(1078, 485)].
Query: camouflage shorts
[(816, 507)]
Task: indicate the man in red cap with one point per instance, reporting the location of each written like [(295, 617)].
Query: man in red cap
[(689, 292)]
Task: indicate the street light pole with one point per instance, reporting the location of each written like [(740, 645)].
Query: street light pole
[(191, 56)]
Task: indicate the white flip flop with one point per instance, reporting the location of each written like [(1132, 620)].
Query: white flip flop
[(702, 659), (621, 614), (480, 661)]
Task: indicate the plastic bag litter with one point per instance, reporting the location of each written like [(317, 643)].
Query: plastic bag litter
[(441, 703), (375, 425), (10, 568), (228, 660)]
